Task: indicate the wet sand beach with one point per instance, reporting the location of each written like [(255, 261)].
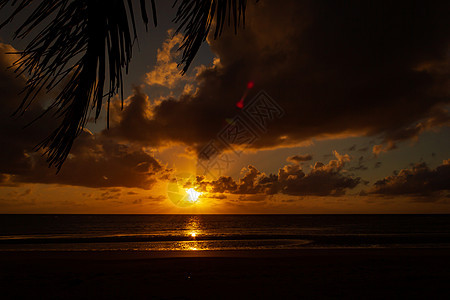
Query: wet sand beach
[(251, 274)]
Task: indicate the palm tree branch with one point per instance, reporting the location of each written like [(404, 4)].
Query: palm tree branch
[(195, 18), (79, 42)]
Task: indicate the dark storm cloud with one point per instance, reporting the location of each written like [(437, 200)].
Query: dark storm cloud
[(352, 148), (377, 68), (360, 166), (420, 180), (323, 180), (439, 118), (17, 142), (95, 161)]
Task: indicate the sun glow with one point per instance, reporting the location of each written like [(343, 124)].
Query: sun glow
[(193, 195)]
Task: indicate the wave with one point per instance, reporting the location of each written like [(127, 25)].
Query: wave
[(315, 239)]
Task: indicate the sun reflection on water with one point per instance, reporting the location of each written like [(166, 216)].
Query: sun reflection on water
[(193, 227), (192, 232)]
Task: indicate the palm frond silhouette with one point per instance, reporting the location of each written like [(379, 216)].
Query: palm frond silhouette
[(85, 46)]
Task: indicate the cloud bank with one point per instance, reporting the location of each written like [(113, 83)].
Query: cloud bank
[(337, 69), (420, 180), (323, 180)]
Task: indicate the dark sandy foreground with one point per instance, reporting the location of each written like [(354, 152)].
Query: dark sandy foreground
[(284, 274)]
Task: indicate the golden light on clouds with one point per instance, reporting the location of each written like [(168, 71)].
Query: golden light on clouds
[(166, 72)]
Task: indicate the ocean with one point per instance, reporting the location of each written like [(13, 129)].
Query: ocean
[(220, 232)]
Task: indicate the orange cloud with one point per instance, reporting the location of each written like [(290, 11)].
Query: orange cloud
[(166, 72)]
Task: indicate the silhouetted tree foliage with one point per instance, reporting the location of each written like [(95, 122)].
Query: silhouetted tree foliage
[(84, 46)]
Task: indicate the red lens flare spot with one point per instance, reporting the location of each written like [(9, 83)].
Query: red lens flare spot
[(250, 84), (240, 104)]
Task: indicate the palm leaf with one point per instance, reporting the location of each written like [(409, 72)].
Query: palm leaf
[(84, 43), (195, 18)]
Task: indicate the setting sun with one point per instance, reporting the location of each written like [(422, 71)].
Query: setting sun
[(193, 195)]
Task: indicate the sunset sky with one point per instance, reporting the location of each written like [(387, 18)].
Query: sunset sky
[(360, 121)]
